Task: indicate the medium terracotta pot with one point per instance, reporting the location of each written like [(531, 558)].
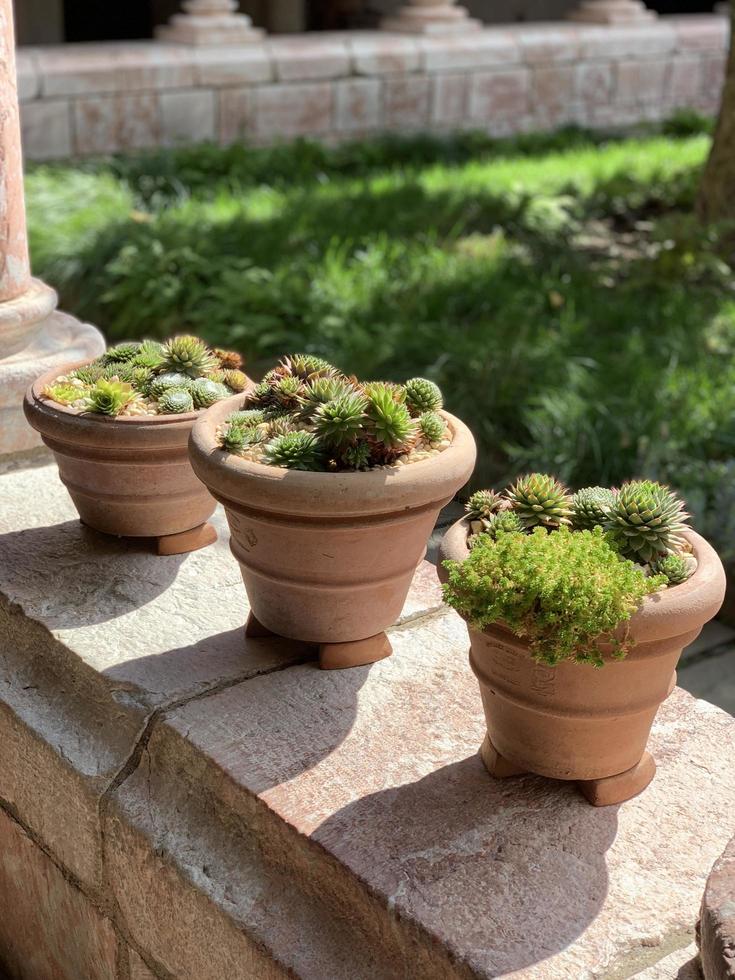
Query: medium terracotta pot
[(328, 558), (575, 721), (126, 476)]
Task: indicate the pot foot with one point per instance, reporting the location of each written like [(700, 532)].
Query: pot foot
[(624, 786), (254, 628), (192, 540), (336, 656), (496, 765)]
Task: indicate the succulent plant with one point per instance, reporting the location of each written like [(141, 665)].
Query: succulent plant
[(647, 519), (150, 355), (307, 366), (234, 379), (320, 391), (141, 378), (431, 427), (121, 352), (422, 396), (389, 422), (109, 397), (590, 507), (64, 392), (540, 499), (287, 392), (294, 451), (188, 355), (164, 382), (228, 359), (237, 437), (87, 374), (205, 392), (506, 521), (122, 370), (484, 504), (246, 417), (676, 568), (357, 456), (175, 401), (279, 425), (340, 421)]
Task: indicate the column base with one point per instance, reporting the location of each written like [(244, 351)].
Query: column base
[(440, 20), (61, 340), (612, 12), (227, 29)]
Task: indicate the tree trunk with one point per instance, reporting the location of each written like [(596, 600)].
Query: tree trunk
[(717, 189)]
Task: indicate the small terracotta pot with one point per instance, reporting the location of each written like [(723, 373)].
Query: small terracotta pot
[(328, 558), (575, 721), (127, 476)]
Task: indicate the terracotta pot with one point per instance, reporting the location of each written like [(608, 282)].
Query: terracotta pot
[(328, 558), (126, 476), (575, 721)]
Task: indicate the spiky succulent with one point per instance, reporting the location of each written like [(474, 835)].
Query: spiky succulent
[(280, 425), (540, 500), (228, 359), (235, 380), (389, 422), (431, 427), (88, 374), (484, 504), (340, 421), (246, 417), (237, 437), (422, 396), (121, 352), (109, 397), (141, 378), (647, 520), (308, 366), (188, 355), (122, 370), (294, 451), (590, 507), (165, 382), (287, 392), (320, 391), (149, 355), (506, 521), (676, 568), (357, 456), (64, 392), (205, 392), (175, 401)]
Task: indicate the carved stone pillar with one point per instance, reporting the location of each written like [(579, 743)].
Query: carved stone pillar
[(612, 12), (431, 17), (33, 336), (210, 22)]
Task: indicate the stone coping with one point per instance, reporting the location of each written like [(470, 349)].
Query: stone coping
[(195, 805), (79, 99)]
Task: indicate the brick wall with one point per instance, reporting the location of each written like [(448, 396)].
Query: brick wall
[(102, 98)]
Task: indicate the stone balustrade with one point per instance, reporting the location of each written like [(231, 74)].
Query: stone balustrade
[(100, 98), (179, 802)]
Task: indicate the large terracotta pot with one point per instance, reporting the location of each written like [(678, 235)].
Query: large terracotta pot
[(575, 721), (127, 476), (328, 558)]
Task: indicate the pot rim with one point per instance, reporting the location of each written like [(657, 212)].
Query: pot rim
[(278, 489), (676, 610)]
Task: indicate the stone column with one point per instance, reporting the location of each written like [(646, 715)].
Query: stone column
[(431, 17), (612, 12), (210, 22), (33, 337)]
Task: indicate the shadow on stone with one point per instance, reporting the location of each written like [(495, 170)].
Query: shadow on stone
[(503, 873), (71, 575)]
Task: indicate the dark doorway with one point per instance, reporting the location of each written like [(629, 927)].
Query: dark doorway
[(90, 20)]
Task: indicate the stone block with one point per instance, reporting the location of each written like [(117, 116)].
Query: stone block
[(96, 69), (46, 129), (544, 44), (113, 123), (701, 32), (450, 97), (646, 40), (48, 929), (29, 84), (293, 110), (308, 58), (365, 791), (406, 102), (713, 76), (357, 104), (236, 107), (245, 65), (593, 82), (552, 94), (499, 94), (716, 932), (380, 54), (188, 117), (685, 82), (641, 82), (482, 49)]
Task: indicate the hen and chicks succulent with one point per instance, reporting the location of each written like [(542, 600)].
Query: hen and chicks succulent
[(150, 378), (307, 415), (643, 521)]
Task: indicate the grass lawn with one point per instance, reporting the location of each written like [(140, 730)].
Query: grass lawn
[(556, 287)]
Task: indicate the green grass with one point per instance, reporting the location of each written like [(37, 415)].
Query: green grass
[(556, 287)]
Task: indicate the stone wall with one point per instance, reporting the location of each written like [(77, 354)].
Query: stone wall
[(91, 99)]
